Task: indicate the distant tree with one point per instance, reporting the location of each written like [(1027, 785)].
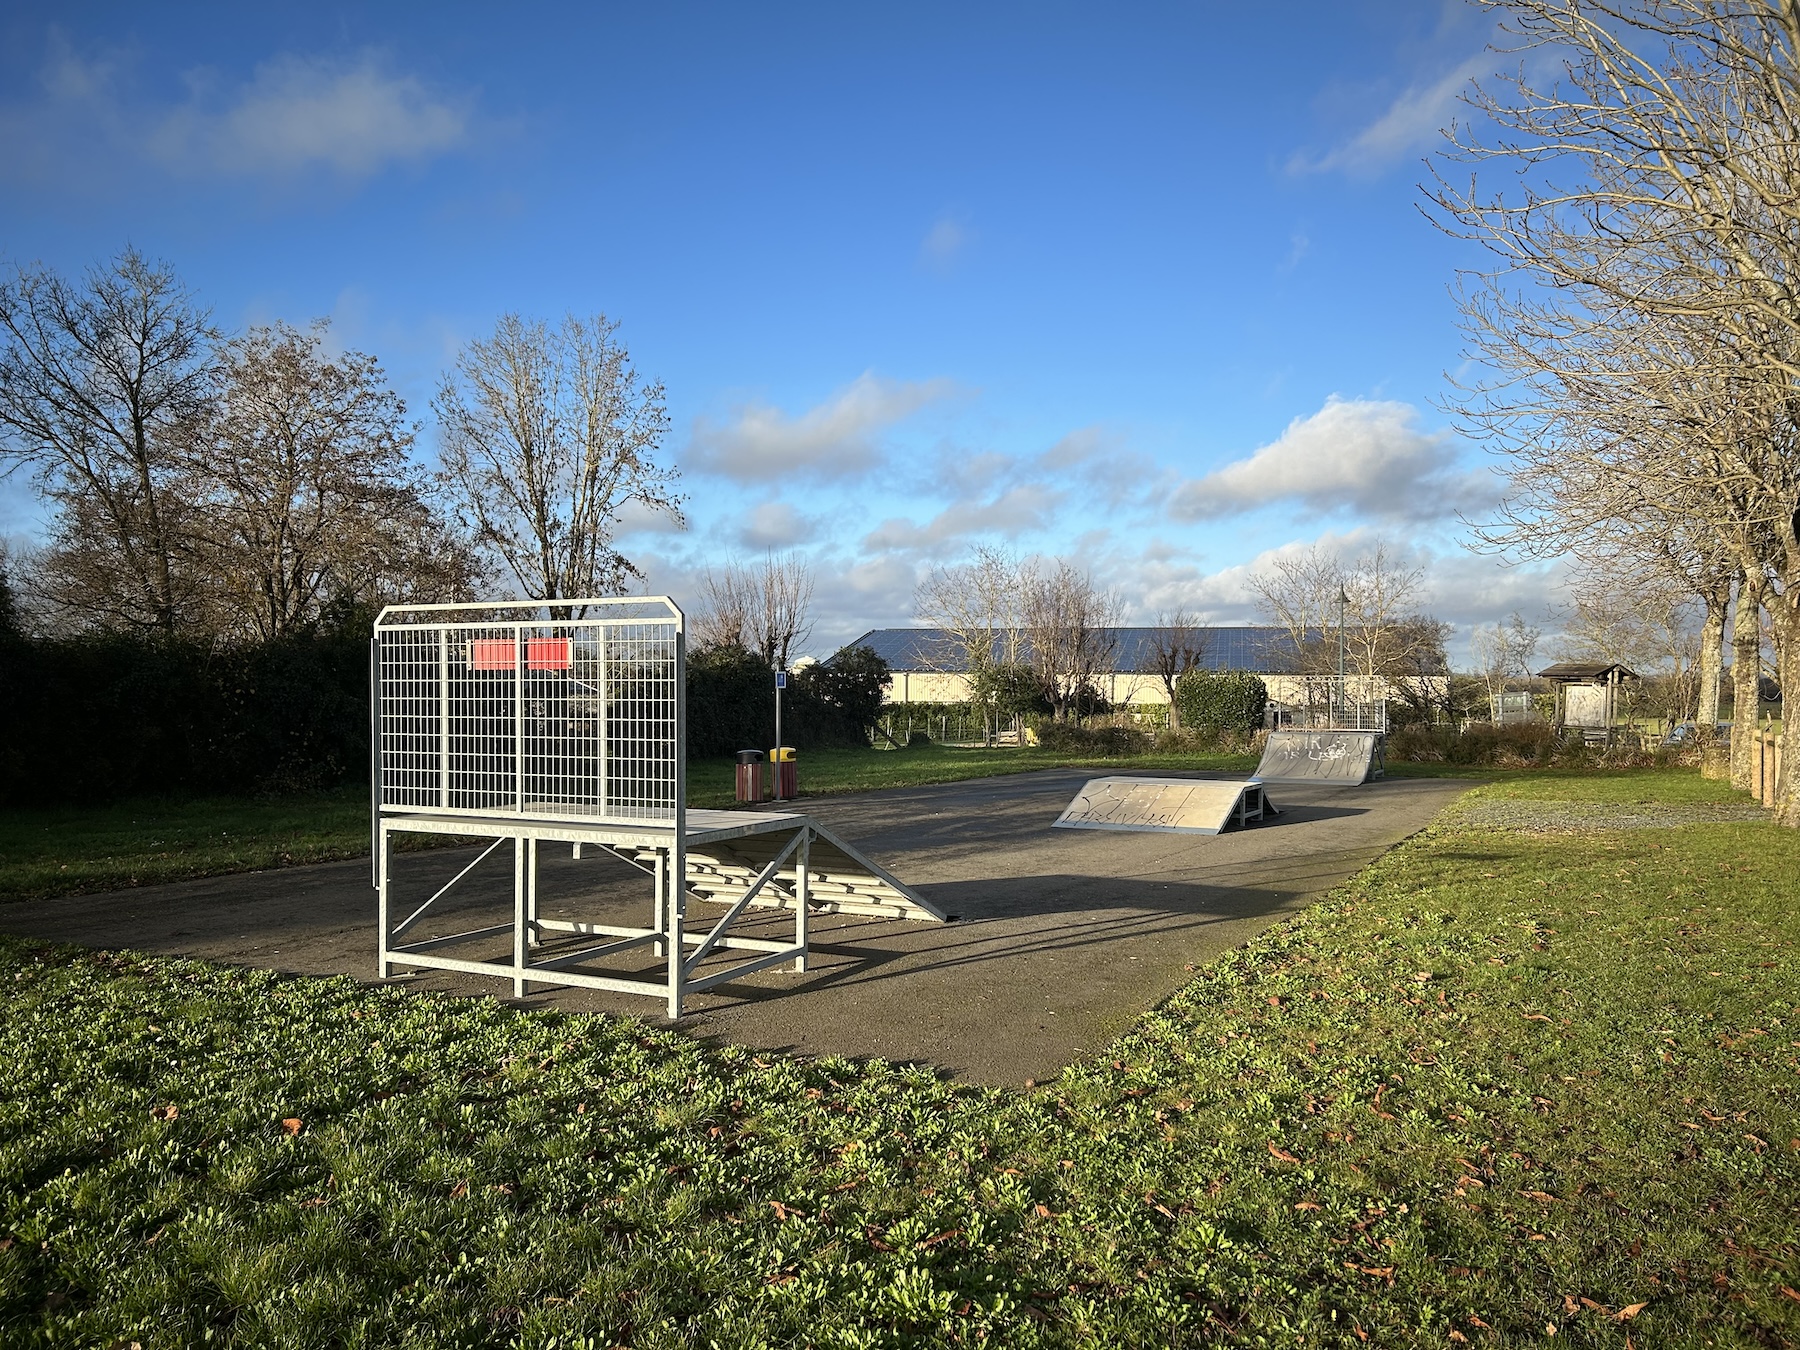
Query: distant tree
[(977, 607), (1179, 645), (765, 609), (1502, 652), (854, 682), (98, 380), (301, 471), (547, 435), (1071, 634)]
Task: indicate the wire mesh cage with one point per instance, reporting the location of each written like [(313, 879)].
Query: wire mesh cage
[(515, 710)]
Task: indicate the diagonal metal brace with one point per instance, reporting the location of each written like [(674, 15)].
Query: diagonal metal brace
[(419, 913), (762, 879)]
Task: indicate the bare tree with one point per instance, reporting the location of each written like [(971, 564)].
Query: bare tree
[(97, 378), (1502, 652), (1647, 192), (301, 474), (1071, 632), (783, 616), (727, 598), (547, 435), (1299, 593), (766, 609), (1179, 645), (1368, 610), (978, 607)]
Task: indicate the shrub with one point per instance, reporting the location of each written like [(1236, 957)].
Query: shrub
[(1109, 742), (1220, 701)]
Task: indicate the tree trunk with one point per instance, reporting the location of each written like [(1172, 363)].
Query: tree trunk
[(1746, 667), (1712, 660), (1786, 611)]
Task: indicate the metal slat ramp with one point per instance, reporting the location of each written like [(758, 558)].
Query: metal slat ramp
[(1166, 805), (1328, 758)]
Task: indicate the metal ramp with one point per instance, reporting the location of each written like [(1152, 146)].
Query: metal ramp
[(839, 880), (1328, 758), (1166, 805)]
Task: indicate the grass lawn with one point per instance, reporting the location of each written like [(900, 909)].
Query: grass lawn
[(1502, 1086)]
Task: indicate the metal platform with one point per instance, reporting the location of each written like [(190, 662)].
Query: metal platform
[(565, 723), (736, 859), (1166, 805)]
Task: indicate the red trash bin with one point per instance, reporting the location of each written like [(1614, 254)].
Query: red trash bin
[(785, 772), (749, 776)]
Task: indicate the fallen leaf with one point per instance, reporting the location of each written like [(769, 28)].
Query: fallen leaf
[(1587, 1302), (1281, 1153), (1308, 1204), (786, 1212), (1625, 1314), (1477, 1322), (1043, 1212), (1538, 1017), (1543, 1196), (944, 1236), (1549, 1327), (292, 1124), (1570, 1306), (1791, 1293), (458, 1191), (1458, 1337), (165, 1113)]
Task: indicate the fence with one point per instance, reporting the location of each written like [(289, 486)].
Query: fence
[(484, 713), (1765, 767)]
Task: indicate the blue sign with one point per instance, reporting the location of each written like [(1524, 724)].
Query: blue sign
[(781, 679)]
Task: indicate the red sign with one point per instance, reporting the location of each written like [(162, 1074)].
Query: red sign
[(552, 653)]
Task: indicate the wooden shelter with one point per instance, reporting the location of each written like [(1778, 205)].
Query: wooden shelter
[(1587, 692)]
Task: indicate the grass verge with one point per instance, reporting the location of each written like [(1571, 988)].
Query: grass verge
[(1501, 1086)]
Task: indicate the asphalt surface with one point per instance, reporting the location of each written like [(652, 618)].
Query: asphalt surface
[(1061, 937)]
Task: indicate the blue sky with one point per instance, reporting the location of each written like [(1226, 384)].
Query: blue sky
[(1146, 287)]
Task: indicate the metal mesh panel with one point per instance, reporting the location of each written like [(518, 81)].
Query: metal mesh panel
[(530, 716)]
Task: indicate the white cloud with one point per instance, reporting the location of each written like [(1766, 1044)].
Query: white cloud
[(1409, 125), (837, 439), (348, 116), (1359, 455), (299, 113), (775, 525), (1023, 507)]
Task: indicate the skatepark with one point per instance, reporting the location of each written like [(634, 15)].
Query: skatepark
[(1058, 940)]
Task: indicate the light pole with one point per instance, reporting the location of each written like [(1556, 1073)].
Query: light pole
[(1343, 604)]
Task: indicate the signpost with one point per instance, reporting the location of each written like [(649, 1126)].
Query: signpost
[(780, 684)]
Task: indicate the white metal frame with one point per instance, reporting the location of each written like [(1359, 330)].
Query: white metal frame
[(510, 721)]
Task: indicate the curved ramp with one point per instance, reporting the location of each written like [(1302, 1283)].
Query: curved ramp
[(1168, 805), (1330, 758)]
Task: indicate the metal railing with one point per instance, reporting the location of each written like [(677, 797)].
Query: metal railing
[(511, 710)]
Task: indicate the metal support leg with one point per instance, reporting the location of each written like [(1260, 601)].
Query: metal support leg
[(674, 891), (536, 934), (658, 917), (800, 895), (520, 923), (384, 968)]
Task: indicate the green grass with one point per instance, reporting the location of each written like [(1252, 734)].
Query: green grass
[(70, 850), (1496, 1085), (824, 772)]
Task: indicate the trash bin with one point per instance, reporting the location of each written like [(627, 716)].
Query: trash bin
[(785, 772), (749, 775)]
